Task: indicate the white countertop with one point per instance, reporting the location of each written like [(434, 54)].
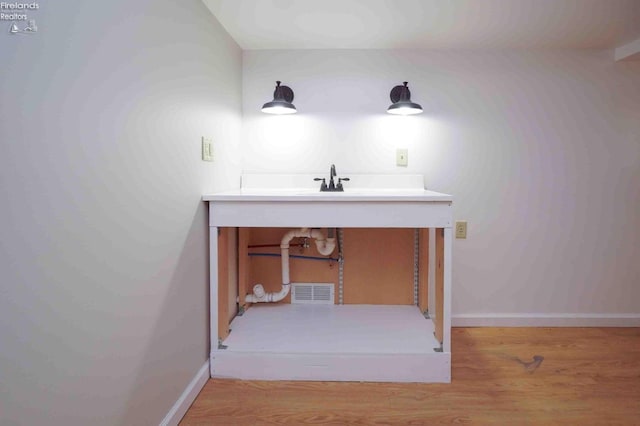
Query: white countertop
[(293, 188), (305, 194)]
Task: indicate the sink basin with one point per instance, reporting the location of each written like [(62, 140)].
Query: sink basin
[(318, 192)]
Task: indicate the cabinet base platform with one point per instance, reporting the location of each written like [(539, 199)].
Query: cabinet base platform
[(375, 343)]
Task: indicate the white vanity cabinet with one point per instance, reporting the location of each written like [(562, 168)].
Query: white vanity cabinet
[(395, 343)]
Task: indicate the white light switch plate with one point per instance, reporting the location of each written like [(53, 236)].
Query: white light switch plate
[(207, 149), (402, 157)]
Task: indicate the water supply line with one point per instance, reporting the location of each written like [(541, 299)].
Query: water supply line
[(325, 246), (296, 256)]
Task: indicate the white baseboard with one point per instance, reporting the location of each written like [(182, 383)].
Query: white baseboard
[(545, 320), (189, 395)]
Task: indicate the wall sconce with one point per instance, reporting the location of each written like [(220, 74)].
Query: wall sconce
[(281, 103), (402, 105)]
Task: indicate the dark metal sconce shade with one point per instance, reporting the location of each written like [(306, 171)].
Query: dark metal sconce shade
[(402, 105), (281, 103)]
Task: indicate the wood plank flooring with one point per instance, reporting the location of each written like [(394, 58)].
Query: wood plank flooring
[(506, 376)]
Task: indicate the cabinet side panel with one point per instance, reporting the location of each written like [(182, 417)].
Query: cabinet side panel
[(423, 270), (223, 283), (439, 314), (232, 260), (243, 265)]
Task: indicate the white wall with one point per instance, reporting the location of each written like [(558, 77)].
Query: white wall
[(103, 237), (540, 149)]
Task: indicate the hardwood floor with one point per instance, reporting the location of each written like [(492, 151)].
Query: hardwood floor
[(507, 376)]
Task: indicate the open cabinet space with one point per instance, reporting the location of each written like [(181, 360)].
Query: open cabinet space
[(377, 264), (376, 327)]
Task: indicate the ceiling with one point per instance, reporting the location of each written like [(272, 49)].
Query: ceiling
[(384, 24)]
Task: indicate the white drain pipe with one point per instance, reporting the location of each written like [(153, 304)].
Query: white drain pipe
[(325, 247)]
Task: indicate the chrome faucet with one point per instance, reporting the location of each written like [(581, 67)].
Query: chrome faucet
[(332, 187)]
